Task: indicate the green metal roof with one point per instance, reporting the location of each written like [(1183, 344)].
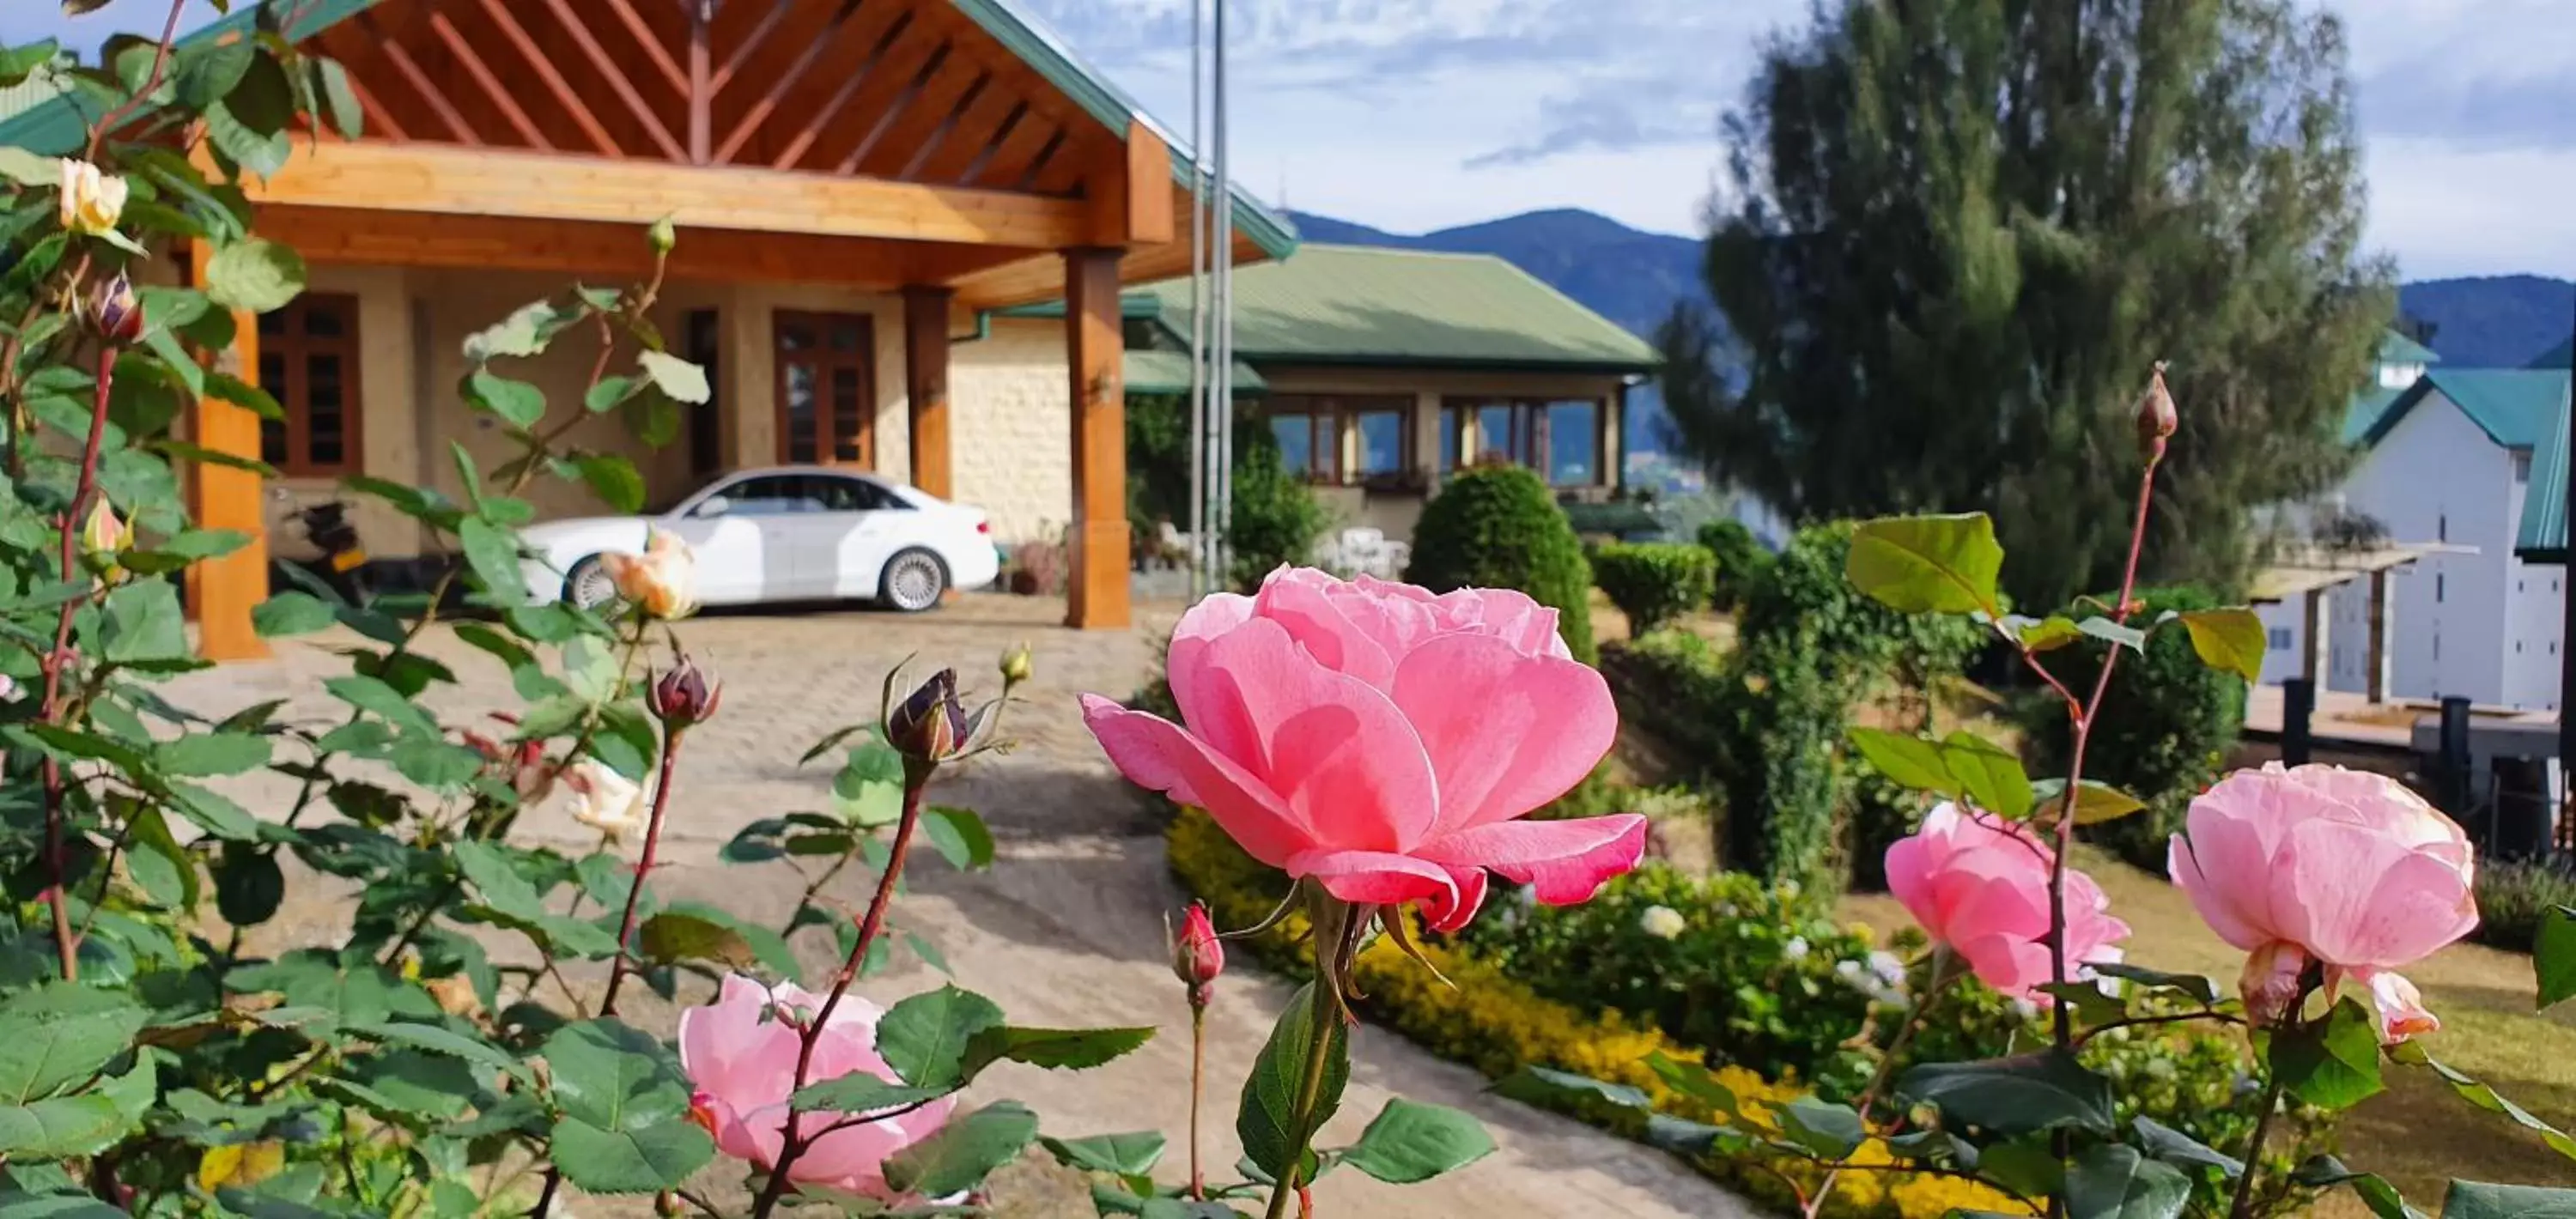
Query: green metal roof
[(61, 126), (2556, 357), (1168, 372), (1361, 305), (2362, 416), (2541, 536), (2395, 348), (2517, 408)]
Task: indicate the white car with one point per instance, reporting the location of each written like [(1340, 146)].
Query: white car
[(789, 533)]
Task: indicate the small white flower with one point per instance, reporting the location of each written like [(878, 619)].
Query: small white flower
[(605, 800), (1795, 950), (1889, 967), (1662, 922), (8, 688)]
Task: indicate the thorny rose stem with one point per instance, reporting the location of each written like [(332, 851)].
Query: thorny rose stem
[(671, 733), (66, 945)]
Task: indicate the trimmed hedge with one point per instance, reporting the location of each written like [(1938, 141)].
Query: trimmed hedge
[(2513, 896), (1740, 560), (2162, 736), (1499, 527), (1654, 582)]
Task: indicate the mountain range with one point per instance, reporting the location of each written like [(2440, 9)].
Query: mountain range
[(1633, 278)]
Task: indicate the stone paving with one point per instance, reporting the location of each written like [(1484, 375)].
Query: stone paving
[(1066, 929)]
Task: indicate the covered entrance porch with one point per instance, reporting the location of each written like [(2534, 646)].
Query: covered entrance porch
[(856, 183)]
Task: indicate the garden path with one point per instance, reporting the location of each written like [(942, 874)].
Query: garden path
[(1066, 929)]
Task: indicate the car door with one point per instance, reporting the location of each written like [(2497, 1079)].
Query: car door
[(865, 531), (744, 535)]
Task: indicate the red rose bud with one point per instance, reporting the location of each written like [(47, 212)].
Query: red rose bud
[(2157, 418), (1198, 956), (115, 311), (684, 696), (931, 725)]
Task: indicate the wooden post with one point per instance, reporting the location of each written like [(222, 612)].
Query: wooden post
[(2313, 665), (2377, 679), (925, 376), (223, 591), (1096, 587)]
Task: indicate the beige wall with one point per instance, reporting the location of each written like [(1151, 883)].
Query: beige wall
[(1011, 397)]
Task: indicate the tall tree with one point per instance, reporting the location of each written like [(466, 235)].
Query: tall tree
[(1958, 233)]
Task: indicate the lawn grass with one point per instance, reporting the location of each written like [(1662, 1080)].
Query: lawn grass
[(2417, 1134)]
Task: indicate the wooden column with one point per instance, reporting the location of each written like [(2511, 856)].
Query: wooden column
[(2319, 618), (222, 592), (925, 377), (1096, 584), (2379, 661)]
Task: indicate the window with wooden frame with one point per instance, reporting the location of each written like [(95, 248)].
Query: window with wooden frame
[(1560, 438), (827, 401), (1352, 439), (308, 361)]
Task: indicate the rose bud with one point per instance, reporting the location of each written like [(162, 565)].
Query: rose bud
[(1198, 956), (931, 725), (1018, 664), (2157, 417), (92, 201), (115, 312), (684, 696), (103, 536), (662, 236)]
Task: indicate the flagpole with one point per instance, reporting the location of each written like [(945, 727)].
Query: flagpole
[(1199, 548), (1222, 254)]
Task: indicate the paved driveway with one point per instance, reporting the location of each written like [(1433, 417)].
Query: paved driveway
[(1067, 927)]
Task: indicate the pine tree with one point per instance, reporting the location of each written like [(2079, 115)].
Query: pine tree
[(1959, 233)]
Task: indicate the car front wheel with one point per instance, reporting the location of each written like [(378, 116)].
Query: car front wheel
[(913, 581), (589, 586)]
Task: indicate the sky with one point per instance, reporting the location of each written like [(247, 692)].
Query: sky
[(1418, 114)]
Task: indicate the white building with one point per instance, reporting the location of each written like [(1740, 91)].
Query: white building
[(2448, 460)]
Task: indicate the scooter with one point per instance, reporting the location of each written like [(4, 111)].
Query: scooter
[(327, 528)]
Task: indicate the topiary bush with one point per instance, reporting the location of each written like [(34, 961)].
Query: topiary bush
[(2162, 735), (2513, 896), (1740, 560), (1654, 582), (1499, 527), (1275, 517)]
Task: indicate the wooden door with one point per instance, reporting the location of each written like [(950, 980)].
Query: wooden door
[(827, 402)]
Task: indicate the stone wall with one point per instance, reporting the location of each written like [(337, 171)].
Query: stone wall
[(1012, 423)]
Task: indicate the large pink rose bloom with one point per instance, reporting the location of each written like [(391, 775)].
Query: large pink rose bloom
[(741, 1060), (1982, 889), (1383, 741), (2340, 868)]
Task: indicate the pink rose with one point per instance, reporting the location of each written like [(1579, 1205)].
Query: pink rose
[(1981, 887), (1383, 741), (740, 1054), (2338, 868)]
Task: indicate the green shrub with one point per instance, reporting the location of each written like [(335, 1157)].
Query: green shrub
[(1677, 686), (1654, 582), (1276, 519), (2514, 896), (2162, 736), (1499, 527), (1740, 560)]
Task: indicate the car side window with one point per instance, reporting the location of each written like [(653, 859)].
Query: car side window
[(854, 495), (769, 495)]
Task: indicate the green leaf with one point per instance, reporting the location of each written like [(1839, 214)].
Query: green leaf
[(440, 1040), (2045, 634), (2174, 1147), (1549, 1088), (290, 613), (1127, 1155), (1054, 1049), (2229, 640), (2095, 803), (2553, 957), (964, 1151), (960, 837), (493, 554), (1907, 760), (678, 378), (861, 1092), (207, 71), (143, 622), (1829, 1130), (63, 1126), (615, 1077), (924, 1038), (1409, 1143), (613, 479), (212, 753), (1693, 1080), (1267, 1120), (160, 866), (643, 1160), (606, 395), (2110, 1181), (370, 694), (2017, 1095), (2474, 1200), (61, 1033), (411, 1084), (2326, 1172), (2331, 1062), (2198, 986), (339, 101), (2114, 633), (1927, 564), (2488, 1098), (516, 403), (672, 936), (1989, 773), (216, 814), (254, 275), (259, 153)]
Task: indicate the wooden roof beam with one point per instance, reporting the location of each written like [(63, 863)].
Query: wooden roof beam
[(368, 176)]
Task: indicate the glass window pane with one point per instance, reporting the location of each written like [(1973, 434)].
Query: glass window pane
[(1494, 438), (796, 335), (273, 322), (1296, 435), (773, 496), (845, 335), (1573, 443), (849, 428), (1381, 442), (324, 322), (1450, 421)]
